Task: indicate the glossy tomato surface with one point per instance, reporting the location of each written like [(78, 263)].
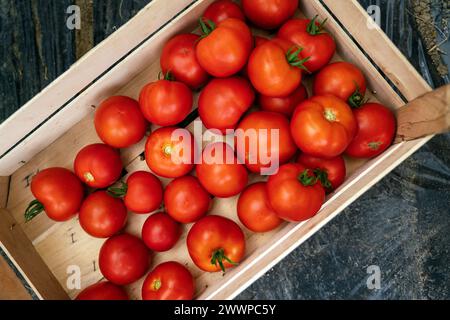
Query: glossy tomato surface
[(160, 232), (269, 14), (221, 10), (284, 105), (144, 192), (104, 290), (334, 168)]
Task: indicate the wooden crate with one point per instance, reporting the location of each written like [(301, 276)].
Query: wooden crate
[(50, 129)]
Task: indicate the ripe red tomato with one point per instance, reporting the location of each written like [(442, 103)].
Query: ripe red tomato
[(274, 68), (123, 259), (269, 14), (294, 193), (186, 200), (323, 126), (220, 177), (119, 122), (259, 40), (166, 102), (342, 79), (215, 243), (98, 165), (178, 57), (377, 126), (310, 35), (284, 105), (223, 102), (263, 141), (160, 232), (169, 281), (104, 290), (58, 192), (168, 156), (334, 169), (221, 10), (225, 48), (254, 210), (102, 215)]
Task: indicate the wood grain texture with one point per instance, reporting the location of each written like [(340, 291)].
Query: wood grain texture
[(12, 287), (4, 191)]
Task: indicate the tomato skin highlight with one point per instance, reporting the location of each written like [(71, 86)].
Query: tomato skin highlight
[(119, 122), (98, 165), (186, 200), (323, 126), (160, 232), (144, 192), (269, 14), (178, 57), (284, 105), (59, 191), (334, 167), (377, 126), (166, 103), (104, 290), (221, 10), (102, 215), (223, 102), (254, 209), (169, 281), (291, 200), (210, 234), (123, 259)]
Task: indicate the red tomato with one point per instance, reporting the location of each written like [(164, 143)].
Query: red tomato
[(168, 156), (160, 232), (377, 126), (58, 192), (169, 281), (215, 243), (274, 68), (342, 79), (104, 290), (223, 102), (220, 177), (294, 193), (254, 210), (285, 105), (334, 169), (323, 126), (119, 122), (221, 10), (310, 35), (269, 14), (102, 215), (178, 57), (123, 259), (98, 165), (259, 40), (225, 49), (255, 144), (186, 200)]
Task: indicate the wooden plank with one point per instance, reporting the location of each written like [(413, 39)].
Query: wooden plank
[(12, 286), (4, 191), (22, 253)]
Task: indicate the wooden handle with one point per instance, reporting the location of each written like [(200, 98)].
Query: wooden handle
[(427, 115)]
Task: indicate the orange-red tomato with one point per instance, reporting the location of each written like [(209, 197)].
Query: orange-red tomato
[(170, 156), (284, 105), (144, 192), (223, 102), (294, 193), (102, 215), (254, 210), (186, 200), (98, 165), (119, 122), (219, 172), (215, 243), (224, 50), (255, 142), (334, 168), (269, 14), (178, 57), (221, 10), (259, 40), (160, 232), (169, 281), (377, 125), (342, 79), (58, 192), (104, 290), (323, 126)]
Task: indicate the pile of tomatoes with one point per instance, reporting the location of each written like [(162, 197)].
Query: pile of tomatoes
[(234, 70)]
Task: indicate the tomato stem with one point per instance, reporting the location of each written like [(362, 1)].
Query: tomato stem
[(34, 208), (307, 179), (218, 257), (322, 176), (294, 59), (169, 76), (118, 192), (374, 145), (314, 29), (207, 26), (357, 98), (156, 285)]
